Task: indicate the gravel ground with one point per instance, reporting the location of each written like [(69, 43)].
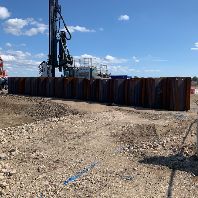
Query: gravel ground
[(55, 148)]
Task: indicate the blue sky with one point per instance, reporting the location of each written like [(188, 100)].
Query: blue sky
[(145, 38)]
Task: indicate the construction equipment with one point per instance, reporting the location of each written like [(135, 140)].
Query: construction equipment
[(3, 76), (59, 56)]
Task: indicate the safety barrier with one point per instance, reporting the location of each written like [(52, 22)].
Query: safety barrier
[(155, 93)]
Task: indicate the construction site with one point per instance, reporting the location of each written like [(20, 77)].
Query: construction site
[(91, 134), (70, 148)]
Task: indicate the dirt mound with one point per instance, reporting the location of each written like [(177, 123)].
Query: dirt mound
[(131, 134), (18, 110)]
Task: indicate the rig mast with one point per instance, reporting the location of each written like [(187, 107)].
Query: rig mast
[(59, 56)]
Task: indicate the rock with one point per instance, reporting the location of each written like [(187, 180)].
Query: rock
[(3, 156), (41, 168), (13, 151), (3, 185), (1, 176), (1, 193), (127, 177), (12, 172), (8, 172)]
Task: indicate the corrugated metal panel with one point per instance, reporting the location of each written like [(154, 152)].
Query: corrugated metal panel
[(134, 92), (187, 93), (68, 86), (148, 100), (21, 86), (28, 86), (104, 91), (58, 87), (119, 95), (34, 87), (86, 89), (42, 83), (79, 86), (50, 87), (11, 85), (159, 93), (94, 90), (16, 86)]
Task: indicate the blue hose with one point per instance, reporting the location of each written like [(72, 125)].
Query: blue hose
[(80, 173)]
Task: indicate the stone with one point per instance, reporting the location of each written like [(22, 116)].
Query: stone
[(1, 176), (3, 185), (3, 156)]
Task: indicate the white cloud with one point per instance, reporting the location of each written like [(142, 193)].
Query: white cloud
[(123, 18), (28, 27), (31, 27), (8, 44), (8, 58), (40, 55), (118, 66), (121, 70), (19, 54), (79, 60), (88, 56), (195, 46), (101, 29), (79, 29), (135, 59), (39, 28), (21, 63), (108, 59), (114, 60), (15, 26), (4, 13)]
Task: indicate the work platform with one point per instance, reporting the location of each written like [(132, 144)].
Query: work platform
[(154, 93)]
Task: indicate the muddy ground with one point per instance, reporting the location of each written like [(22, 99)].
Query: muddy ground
[(55, 148)]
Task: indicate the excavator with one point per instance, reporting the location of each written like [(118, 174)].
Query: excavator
[(3, 76), (59, 56)]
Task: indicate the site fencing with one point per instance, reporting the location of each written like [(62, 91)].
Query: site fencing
[(154, 93)]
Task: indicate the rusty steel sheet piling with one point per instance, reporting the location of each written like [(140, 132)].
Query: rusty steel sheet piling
[(94, 90), (153, 93)]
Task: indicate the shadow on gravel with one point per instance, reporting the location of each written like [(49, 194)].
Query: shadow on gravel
[(174, 162)]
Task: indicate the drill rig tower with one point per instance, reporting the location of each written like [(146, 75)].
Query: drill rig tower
[(59, 56)]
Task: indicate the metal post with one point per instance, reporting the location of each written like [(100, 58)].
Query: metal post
[(53, 4)]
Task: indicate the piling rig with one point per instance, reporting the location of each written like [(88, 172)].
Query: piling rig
[(59, 56)]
